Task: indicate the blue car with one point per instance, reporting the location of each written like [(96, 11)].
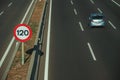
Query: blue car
[(96, 20)]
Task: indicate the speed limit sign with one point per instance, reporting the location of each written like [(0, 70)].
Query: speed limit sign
[(22, 32)]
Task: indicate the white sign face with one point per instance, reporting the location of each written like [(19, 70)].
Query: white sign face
[(22, 32)]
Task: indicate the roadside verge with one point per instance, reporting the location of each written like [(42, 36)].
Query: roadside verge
[(18, 71)]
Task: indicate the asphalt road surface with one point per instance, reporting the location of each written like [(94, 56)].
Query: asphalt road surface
[(78, 52)]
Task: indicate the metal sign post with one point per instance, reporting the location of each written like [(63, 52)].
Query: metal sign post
[(22, 33), (23, 53)]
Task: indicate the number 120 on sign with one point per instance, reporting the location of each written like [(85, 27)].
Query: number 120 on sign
[(22, 32)]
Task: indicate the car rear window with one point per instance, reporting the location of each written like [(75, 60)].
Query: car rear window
[(97, 17)]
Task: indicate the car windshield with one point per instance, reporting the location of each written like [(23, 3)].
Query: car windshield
[(97, 17)]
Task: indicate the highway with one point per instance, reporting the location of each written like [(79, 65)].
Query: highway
[(11, 14), (76, 51)]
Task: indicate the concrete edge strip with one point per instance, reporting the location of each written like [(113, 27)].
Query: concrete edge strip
[(46, 69), (10, 63)]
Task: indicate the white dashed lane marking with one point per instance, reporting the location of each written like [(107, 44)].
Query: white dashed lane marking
[(92, 1), (10, 4), (116, 3), (75, 11), (99, 10), (112, 24), (81, 26), (71, 2), (1, 13), (91, 50)]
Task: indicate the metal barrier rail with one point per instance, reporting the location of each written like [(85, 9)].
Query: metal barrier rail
[(35, 58)]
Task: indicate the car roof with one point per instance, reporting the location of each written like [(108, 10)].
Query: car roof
[(96, 14)]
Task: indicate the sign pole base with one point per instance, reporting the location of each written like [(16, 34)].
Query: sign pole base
[(22, 53)]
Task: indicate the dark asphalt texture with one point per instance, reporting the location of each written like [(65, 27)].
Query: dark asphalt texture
[(70, 57)]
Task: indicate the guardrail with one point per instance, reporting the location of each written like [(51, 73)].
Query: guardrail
[(35, 58)]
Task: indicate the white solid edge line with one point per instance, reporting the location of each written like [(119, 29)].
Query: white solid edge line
[(91, 50), (99, 10), (75, 11), (27, 11), (71, 2), (112, 24), (92, 1), (6, 52), (10, 4), (116, 3), (13, 39), (81, 26), (48, 44)]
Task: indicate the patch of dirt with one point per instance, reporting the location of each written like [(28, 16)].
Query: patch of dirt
[(18, 71)]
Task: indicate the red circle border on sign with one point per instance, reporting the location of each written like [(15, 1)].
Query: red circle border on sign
[(24, 40)]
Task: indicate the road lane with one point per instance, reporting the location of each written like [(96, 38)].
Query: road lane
[(115, 2), (70, 57), (4, 4), (105, 41), (111, 11)]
